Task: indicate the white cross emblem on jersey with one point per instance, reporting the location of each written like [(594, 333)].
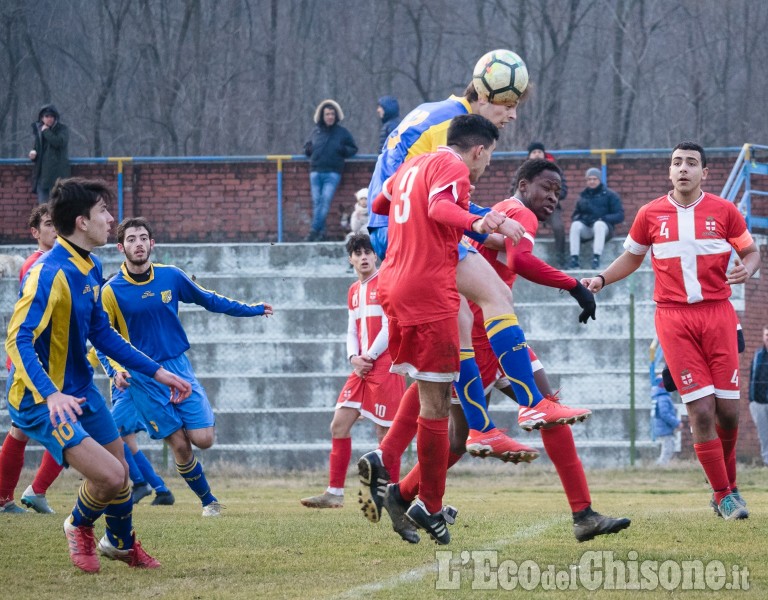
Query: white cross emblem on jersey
[(687, 247)]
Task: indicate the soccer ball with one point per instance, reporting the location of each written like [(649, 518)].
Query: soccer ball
[(500, 76)]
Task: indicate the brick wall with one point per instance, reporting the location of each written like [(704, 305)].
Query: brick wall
[(236, 202), (221, 202)]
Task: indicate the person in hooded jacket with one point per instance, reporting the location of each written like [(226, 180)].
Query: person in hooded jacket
[(50, 154), (389, 113), (327, 148)]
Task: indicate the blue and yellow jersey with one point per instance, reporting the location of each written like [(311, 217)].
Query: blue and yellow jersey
[(58, 310), (421, 131), (147, 313)]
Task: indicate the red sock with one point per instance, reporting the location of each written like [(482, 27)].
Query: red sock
[(401, 433), (47, 473), (341, 452), (432, 447), (728, 439), (409, 486), (561, 449), (11, 463), (710, 455)]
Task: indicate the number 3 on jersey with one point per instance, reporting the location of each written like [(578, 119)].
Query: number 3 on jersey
[(403, 202)]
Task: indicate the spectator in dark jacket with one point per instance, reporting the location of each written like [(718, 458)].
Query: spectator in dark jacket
[(50, 153), (758, 394), (597, 211), (389, 113), (555, 221), (327, 147)]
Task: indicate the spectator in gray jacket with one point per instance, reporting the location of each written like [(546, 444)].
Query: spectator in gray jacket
[(327, 147), (597, 212)]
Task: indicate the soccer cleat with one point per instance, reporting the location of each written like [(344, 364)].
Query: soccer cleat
[(163, 499), (324, 500), (36, 502), (135, 556), (497, 445), (549, 412), (82, 546), (213, 509), (736, 496), (374, 479), (141, 491), (588, 524), (11, 507), (396, 508), (436, 525), (731, 509)]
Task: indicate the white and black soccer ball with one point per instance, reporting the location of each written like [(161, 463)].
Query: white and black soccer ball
[(500, 76)]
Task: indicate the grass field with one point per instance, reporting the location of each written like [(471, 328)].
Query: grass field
[(268, 546)]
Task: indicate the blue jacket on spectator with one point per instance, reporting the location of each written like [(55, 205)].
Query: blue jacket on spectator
[(390, 119), (599, 204), (665, 419)]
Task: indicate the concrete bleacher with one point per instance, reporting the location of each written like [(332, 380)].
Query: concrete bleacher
[(273, 382)]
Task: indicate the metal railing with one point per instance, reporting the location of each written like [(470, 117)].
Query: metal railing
[(738, 188)]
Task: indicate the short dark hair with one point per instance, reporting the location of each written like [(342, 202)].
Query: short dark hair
[(37, 215), (358, 241), (75, 197), (133, 222), (531, 168), (467, 131), (692, 146)]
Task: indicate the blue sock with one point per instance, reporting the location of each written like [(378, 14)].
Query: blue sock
[(469, 389), (509, 345), (193, 474), (148, 472), (86, 509), (119, 518), (133, 469)]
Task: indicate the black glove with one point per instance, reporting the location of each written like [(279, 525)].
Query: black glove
[(586, 300), (666, 378), (740, 340)]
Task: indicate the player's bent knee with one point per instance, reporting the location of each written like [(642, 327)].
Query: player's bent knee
[(202, 438)]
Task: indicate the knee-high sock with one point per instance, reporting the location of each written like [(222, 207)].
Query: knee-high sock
[(137, 477), (86, 509), (710, 455), (409, 486), (432, 446), (402, 431), (469, 390), (119, 517), (561, 449), (11, 463), (341, 453), (46, 474), (728, 438), (148, 472), (193, 474), (509, 346)]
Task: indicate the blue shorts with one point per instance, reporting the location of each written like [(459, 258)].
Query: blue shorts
[(95, 422), (153, 402), (378, 237), (124, 412), (465, 248)]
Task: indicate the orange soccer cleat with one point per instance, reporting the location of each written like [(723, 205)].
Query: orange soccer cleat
[(550, 412), (496, 444)]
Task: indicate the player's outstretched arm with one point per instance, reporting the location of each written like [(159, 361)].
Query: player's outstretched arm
[(180, 388), (63, 407), (620, 268)]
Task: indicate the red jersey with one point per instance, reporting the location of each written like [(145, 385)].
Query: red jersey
[(418, 278), (30, 260), (690, 246), (367, 324)]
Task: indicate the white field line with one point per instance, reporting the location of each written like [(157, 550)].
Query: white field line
[(414, 575)]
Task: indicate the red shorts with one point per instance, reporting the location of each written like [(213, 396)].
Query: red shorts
[(376, 396), (700, 347), (429, 351)]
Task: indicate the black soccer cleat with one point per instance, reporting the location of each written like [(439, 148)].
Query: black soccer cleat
[(374, 479), (588, 524), (163, 499), (436, 525), (396, 507)]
